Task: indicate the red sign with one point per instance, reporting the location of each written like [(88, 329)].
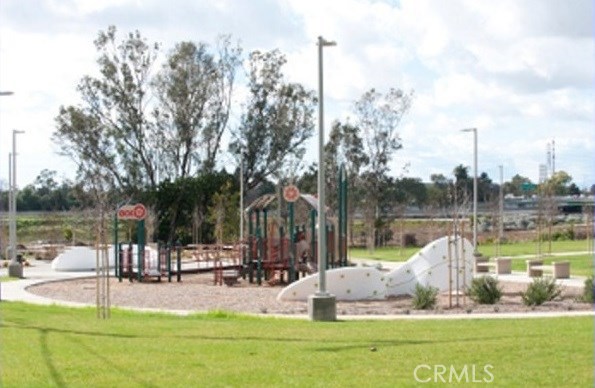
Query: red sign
[(132, 212), (291, 193)]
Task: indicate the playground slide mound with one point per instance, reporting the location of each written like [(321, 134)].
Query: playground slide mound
[(429, 267), (79, 259)]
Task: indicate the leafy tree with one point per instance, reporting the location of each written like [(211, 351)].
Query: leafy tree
[(517, 186), (411, 192), (438, 191), (194, 89), (182, 206), (463, 183), (558, 183), (278, 119), (487, 190), (224, 215), (378, 117), (111, 131), (345, 146)]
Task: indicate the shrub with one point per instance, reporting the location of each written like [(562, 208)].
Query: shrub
[(588, 291), (425, 297), (540, 291), (485, 290)]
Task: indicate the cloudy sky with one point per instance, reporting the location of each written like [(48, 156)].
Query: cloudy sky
[(520, 71)]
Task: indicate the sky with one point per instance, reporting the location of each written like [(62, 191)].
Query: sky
[(520, 71)]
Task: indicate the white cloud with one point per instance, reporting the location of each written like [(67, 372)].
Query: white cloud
[(519, 71)]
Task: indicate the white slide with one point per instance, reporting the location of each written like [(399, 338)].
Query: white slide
[(432, 266)]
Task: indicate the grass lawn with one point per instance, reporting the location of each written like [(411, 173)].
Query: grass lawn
[(580, 265), (8, 279), (515, 249), (56, 346)]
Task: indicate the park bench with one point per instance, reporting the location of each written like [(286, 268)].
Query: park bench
[(559, 270), (500, 265)]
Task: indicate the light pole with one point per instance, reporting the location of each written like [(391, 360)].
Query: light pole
[(474, 130), (15, 269), (321, 306), (5, 93), (501, 209), (242, 198)]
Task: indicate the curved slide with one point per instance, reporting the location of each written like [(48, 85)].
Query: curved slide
[(429, 266)]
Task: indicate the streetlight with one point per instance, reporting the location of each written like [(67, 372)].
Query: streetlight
[(322, 305), (474, 130), (15, 269), (501, 209), (6, 93)]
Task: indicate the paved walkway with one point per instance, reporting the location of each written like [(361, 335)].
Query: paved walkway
[(41, 272)]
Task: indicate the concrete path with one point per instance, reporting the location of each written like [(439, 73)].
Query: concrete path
[(38, 272)]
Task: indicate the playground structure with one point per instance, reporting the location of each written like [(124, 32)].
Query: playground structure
[(144, 262), (446, 263), (275, 250), (272, 250)]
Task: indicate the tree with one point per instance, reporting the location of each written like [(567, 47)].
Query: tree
[(110, 131), (463, 184), (194, 89), (558, 183), (278, 119), (345, 146), (438, 196), (378, 117), (519, 185), (224, 215)]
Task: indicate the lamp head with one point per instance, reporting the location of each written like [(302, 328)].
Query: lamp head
[(323, 42)]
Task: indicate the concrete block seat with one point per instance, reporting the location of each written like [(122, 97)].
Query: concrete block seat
[(501, 266), (559, 270)]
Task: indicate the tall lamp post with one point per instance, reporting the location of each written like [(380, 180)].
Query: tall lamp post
[(6, 93), (322, 305), (474, 130), (15, 269)]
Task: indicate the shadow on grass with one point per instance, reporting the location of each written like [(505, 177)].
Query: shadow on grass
[(47, 357)]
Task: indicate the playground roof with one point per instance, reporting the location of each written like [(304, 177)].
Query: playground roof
[(266, 200), (262, 202)]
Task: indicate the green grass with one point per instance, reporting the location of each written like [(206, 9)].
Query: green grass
[(513, 249), (55, 346), (580, 265), (532, 247), (4, 279)]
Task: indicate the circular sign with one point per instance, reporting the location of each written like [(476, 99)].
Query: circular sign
[(140, 212), (291, 193), (132, 212)]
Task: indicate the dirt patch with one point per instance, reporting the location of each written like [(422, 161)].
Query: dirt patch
[(198, 293)]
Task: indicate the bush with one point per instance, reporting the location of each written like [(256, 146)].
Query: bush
[(588, 291), (424, 298), (540, 291), (485, 290)]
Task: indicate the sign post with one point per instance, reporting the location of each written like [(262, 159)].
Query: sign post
[(291, 194), (136, 212)]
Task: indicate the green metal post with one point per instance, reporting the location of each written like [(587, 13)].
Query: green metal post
[(313, 240), (120, 264), (140, 242), (259, 258), (342, 232), (292, 247), (265, 233), (179, 262), (116, 256), (169, 263)]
